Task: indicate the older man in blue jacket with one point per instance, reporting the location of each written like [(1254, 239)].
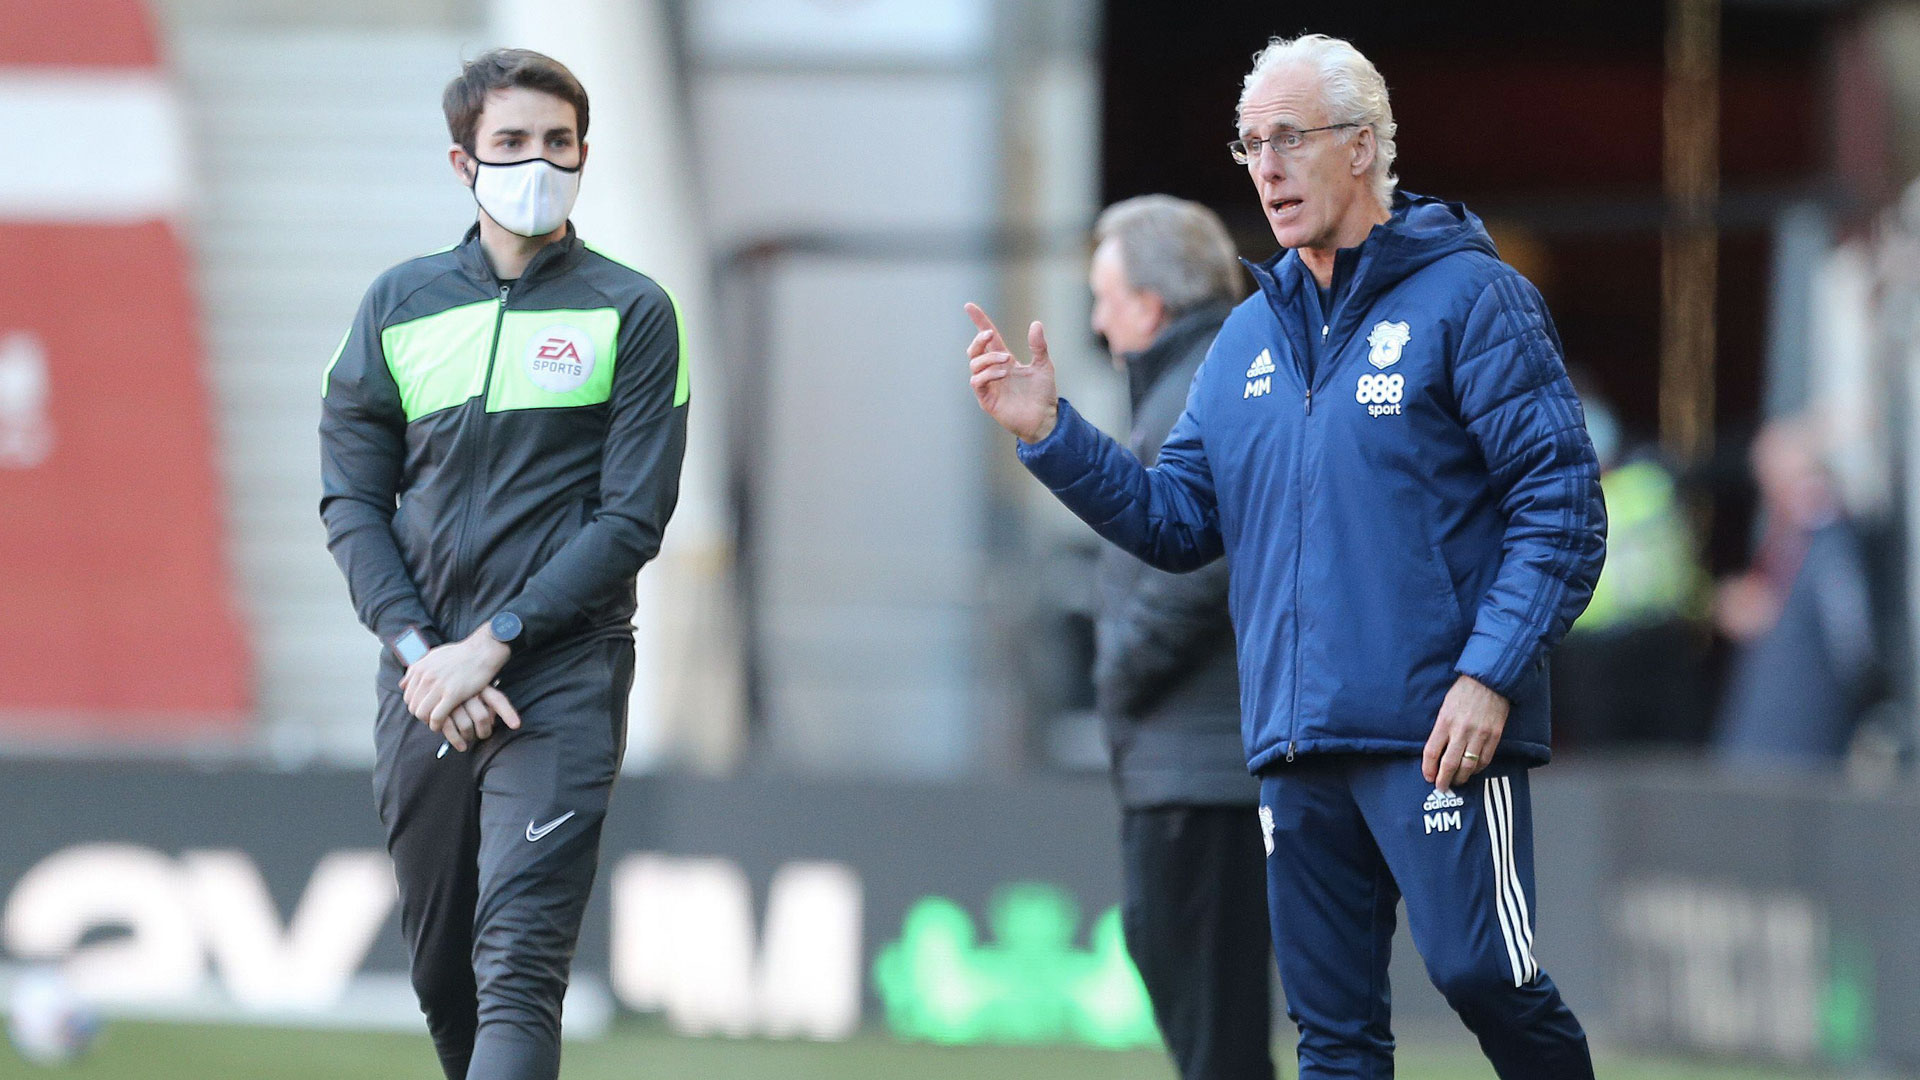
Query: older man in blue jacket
[(1384, 440)]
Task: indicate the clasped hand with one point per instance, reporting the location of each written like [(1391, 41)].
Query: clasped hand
[(451, 689)]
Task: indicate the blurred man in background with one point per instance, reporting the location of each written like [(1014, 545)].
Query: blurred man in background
[(1807, 664), (501, 446), (1164, 277), (1385, 443)]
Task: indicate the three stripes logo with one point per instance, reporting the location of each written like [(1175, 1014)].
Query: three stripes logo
[(1259, 376), (1443, 812), (1510, 900)]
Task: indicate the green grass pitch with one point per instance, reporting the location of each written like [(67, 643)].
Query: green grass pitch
[(639, 1052)]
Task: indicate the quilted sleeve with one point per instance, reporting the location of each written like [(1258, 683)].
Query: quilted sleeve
[(1520, 410), (1166, 516)]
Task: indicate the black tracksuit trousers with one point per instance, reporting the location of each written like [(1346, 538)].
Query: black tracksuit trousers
[(1195, 915), (495, 850)]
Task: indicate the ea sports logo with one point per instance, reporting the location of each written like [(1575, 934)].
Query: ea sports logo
[(560, 358)]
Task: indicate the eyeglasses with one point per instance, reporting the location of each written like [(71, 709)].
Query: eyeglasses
[(1285, 141)]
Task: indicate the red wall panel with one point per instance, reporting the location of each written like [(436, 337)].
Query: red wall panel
[(116, 608)]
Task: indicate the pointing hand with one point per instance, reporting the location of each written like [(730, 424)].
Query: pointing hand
[(1021, 397)]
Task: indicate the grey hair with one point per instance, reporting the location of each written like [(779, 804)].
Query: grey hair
[(1350, 87), (1176, 249)]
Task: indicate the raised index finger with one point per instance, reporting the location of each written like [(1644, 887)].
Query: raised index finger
[(979, 317)]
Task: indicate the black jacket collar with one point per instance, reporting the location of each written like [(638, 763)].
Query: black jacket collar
[(1147, 367), (549, 260)]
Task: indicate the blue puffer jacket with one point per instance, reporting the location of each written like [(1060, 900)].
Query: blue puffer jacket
[(1405, 487)]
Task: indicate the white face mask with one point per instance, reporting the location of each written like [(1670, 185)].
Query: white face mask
[(529, 198)]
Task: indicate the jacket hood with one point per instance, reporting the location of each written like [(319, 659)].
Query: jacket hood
[(1420, 231)]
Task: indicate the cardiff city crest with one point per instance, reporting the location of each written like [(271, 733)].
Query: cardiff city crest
[(1387, 339)]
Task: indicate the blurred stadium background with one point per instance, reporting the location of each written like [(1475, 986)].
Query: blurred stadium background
[(867, 831)]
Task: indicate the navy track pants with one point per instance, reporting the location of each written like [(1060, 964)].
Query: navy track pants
[(1349, 836)]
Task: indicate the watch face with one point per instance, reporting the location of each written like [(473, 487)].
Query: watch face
[(506, 626), (410, 647)]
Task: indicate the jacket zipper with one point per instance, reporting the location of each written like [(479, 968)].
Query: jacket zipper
[(1324, 327), (476, 491), (1301, 535), (1299, 543), (1300, 540)]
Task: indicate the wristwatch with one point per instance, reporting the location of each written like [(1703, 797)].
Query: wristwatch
[(506, 628)]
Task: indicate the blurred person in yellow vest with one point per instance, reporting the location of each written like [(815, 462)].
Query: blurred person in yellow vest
[(1654, 574), (1632, 668)]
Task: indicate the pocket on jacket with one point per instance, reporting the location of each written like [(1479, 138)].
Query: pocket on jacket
[(1381, 646), (1445, 595)]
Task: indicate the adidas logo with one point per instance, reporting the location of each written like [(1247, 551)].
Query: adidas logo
[(1259, 377), (1442, 801)]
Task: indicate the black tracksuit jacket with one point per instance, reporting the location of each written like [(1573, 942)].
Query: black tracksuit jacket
[(490, 446)]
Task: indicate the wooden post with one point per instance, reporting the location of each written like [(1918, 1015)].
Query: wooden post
[(1689, 242)]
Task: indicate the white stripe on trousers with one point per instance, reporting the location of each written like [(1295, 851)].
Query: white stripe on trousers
[(1513, 882), (1510, 902)]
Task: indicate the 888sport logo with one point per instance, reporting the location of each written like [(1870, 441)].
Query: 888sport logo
[(1381, 394)]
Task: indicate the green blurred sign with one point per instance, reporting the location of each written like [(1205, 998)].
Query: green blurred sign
[(939, 983), (1846, 1009)]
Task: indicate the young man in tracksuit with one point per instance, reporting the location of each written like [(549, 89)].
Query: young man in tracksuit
[(1164, 276), (1384, 442), (501, 444)]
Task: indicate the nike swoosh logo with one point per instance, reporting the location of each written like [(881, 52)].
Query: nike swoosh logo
[(536, 833)]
